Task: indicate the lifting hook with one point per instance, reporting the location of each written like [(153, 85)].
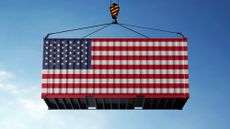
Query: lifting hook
[(114, 10)]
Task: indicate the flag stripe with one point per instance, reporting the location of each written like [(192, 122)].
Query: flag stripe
[(115, 81), (137, 53), (106, 71), (116, 76), (92, 85), (140, 62), (139, 48), (139, 40), (149, 67), (118, 90), (140, 57), (139, 44)]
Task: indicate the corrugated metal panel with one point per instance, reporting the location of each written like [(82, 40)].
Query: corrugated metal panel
[(115, 73)]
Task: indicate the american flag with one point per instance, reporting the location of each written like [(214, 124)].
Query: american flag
[(156, 68)]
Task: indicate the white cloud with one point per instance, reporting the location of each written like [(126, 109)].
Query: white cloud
[(5, 75), (6, 85), (10, 88)]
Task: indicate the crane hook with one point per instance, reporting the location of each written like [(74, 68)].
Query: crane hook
[(114, 10)]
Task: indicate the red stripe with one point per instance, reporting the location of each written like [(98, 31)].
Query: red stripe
[(115, 76), (139, 66), (139, 57), (90, 85), (138, 48), (45, 95), (139, 39)]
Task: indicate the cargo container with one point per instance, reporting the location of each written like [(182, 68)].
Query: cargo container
[(115, 73)]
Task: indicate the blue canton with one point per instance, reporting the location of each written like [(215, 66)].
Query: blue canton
[(67, 54)]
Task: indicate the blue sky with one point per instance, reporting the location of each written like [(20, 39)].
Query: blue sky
[(24, 23)]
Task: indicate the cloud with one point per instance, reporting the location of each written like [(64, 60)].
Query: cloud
[(6, 85), (5, 75)]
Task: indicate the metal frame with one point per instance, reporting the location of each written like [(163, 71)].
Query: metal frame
[(141, 103)]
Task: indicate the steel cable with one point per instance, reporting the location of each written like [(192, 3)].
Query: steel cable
[(81, 28), (97, 30), (124, 26), (154, 29)]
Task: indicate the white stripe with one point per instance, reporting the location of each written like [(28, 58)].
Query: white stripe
[(138, 53), (140, 62), (115, 81), (109, 71), (117, 90), (170, 43)]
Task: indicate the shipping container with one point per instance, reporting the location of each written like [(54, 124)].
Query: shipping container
[(115, 73)]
